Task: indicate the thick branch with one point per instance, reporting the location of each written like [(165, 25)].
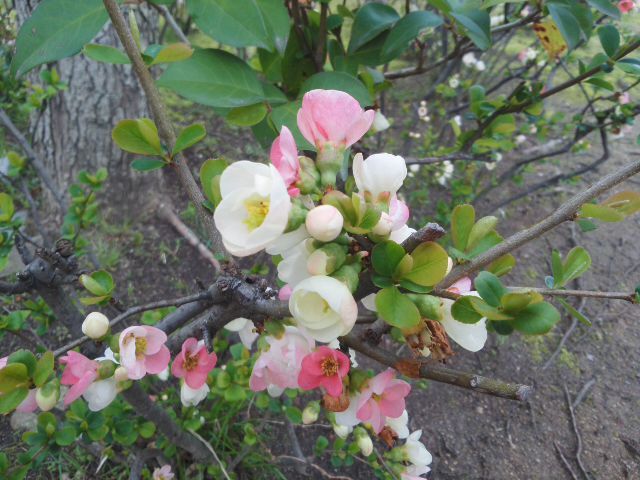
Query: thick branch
[(434, 371), (7, 288), (165, 129), (564, 213)]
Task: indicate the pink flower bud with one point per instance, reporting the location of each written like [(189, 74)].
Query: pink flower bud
[(324, 223)]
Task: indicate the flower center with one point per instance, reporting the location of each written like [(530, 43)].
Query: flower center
[(257, 209), (141, 347), (376, 397), (190, 362), (329, 367)]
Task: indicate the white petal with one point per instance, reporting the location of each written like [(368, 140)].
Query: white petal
[(470, 336)]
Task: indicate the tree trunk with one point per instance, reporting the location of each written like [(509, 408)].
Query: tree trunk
[(73, 132)]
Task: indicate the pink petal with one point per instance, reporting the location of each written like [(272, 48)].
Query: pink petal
[(29, 404), (311, 364), (79, 387), (155, 339), (158, 361), (376, 420), (196, 379), (461, 286), (366, 410), (333, 385), (308, 381), (285, 292), (177, 368), (380, 381), (359, 127)]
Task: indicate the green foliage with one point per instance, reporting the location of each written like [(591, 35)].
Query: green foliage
[(100, 284), (576, 263), (396, 308)]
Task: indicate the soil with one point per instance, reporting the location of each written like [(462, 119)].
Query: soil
[(475, 436)]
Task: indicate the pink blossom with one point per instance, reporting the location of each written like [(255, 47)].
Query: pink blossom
[(285, 292), (284, 156), (326, 368), (163, 473), (399, 213), (80, 372), (142, 351), (278, 367), (383, 397), (461, 286), (626, 6), (193, 363), (29, 404), (624, 98), (333, 117)]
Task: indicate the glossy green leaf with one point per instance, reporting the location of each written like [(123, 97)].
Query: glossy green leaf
[(56, 29), (396, 308), (429, 306), (44, 368), (278, 23), (247, 116), (210, 170), (13, 375), (189, 136), (147, 164), (371, 20), (490, 288), (488, 311), (537, 319), (477, 26), (98, 283), (576, 263), (10, 401), (513, 302), (407, 29), (24, 357), (137, 136), (386, 256), (609, 39), (430, 262), (105, 54), (463, 310), (462, 221), (215, 78), (480, 230)]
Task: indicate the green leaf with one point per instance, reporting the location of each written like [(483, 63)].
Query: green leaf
[(601, 83), (44, 368), (105, 54), (215, 78), (430, 263), (371, 20), (537, 319), (556, 267), (513, 302), (137, 136), (13, 375), (276, 16), (211, 169), (627, 202), (573, 312), (480, 230), (189, 136), (294, 414), (486, 310), (175, 52), (629, 65), (490, 288), (606, 7), (463, 310), (24, 357), (396, 309), (99, 282), (502, 265), (339, 81), (577, 262), (386, 256), (147, 429), (11, 400), (477, 26), (6, 207), (247, 116), (407, 29), (567, 23), (235, 393), (147, 164), (238, 23), (56, 29), (65, 436), (463, 218), (609, 39)]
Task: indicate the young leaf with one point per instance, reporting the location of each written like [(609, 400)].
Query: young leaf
[(247, 116), (13, 375), (556, 267), (386, 256), (173, 53), (210, 170), (463, 310), (536, 319), (396, 309), (189, 136), (44, 368), (137, 136), (490, 288), (24, 357), (575, 313), (577, 262), (626, 203), (502, 265), (601, 212), (463, 218), (6, 207), (98, 283), (147, 164), (105, 54), (480, 230), (430, 263)]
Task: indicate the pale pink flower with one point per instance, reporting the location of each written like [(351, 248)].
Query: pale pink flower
[(399, 213), (383, 397), (79, 372), (624, 98), (278, 367), (194, 363), (142, 351), (163, 473), (626, 6), (326, 368), (284, 156), (333, 117), (461, 286), (285, 292)]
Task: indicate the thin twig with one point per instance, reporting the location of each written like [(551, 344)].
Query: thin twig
[(574, 423), (566, 463), (583, 393)]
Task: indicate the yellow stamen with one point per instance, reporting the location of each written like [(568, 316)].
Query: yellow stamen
[(141, 347), (329, 367), (257, 208), (190, 362)]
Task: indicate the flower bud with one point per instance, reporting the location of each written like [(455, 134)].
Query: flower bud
[(106, 369), (349, 275), (380, 122), (309, 176), (324, 223), (329, 162), (121, 374), (384, 226), (95, 326), (364, 441), (310, 413), (47, 396), (342, 430), (326, 259)]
